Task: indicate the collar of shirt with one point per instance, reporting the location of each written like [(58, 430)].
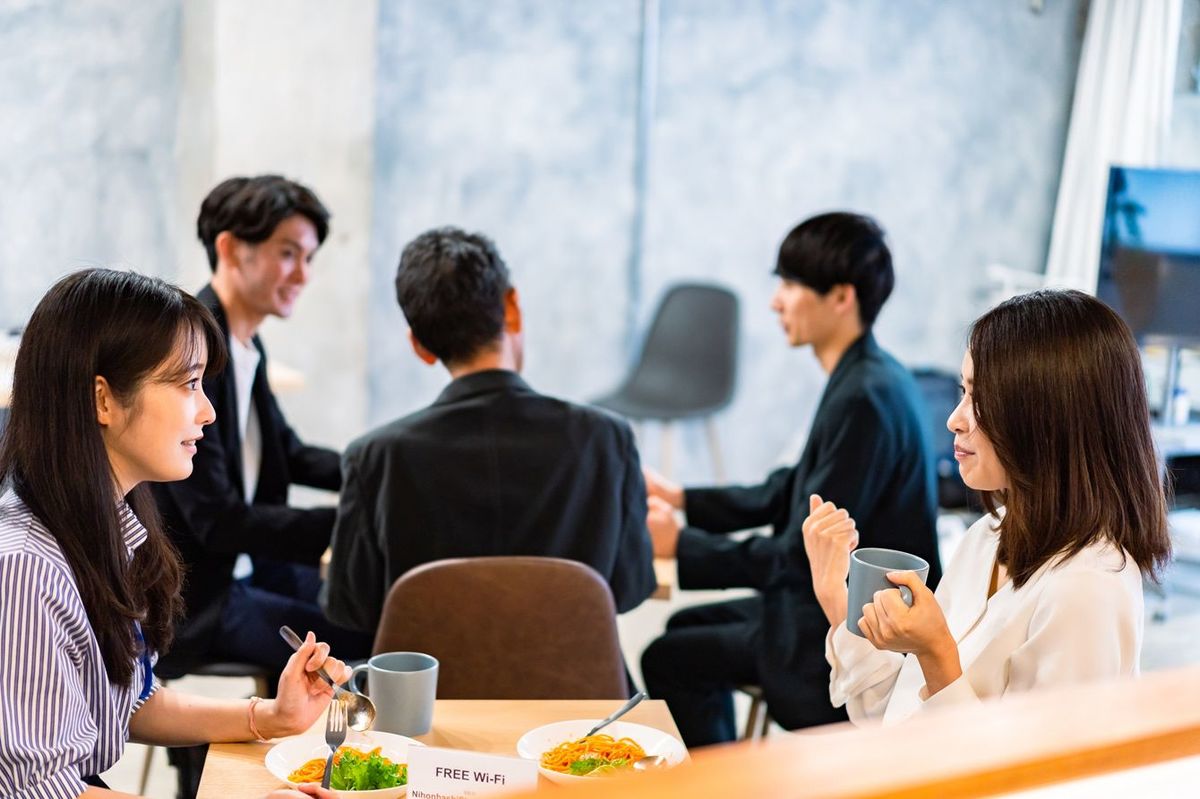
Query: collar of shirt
[(133, 532)]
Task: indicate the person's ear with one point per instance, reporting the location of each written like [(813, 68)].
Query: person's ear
[(419, 348), (845, 298), (106, 402), (512, 312), (228, 249)]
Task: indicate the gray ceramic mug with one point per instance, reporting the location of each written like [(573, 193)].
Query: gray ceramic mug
[(403, 686), (868, 573)]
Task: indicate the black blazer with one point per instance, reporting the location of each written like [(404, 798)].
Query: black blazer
[(867, 452), (490, 468), (207, 517)]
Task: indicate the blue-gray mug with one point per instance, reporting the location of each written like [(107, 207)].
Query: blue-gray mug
[(868, 573), (403, 686)]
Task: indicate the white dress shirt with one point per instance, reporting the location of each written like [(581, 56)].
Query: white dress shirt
[(1073, 621), (245, 363)]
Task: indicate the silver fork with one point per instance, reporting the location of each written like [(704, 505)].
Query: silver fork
[(335, 736)]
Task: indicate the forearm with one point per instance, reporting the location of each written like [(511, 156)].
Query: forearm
[(175, 719), (833, 601), (941, 666)]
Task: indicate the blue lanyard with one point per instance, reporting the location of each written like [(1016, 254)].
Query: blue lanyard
[(147, 667)]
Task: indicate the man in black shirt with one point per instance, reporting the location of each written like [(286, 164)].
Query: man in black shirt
[(491, 467), (260, 235), (867, 452)]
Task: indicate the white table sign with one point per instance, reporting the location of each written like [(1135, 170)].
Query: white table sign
[(435, 773)]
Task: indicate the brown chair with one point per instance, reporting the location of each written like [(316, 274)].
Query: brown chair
[(509, 628)]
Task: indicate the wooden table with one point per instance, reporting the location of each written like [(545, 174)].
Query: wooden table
[(236, 771)]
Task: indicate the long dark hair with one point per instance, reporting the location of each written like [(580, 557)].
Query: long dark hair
[(1059, 392), (124, 327)]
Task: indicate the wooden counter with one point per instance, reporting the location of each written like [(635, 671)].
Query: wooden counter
[(971, 751)]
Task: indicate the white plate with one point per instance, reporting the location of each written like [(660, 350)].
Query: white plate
[(292, 753), (542, 739)]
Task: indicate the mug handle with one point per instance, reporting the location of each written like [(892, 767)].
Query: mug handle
[(905, 594), (352, 683)]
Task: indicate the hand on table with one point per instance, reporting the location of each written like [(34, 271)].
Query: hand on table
[(663, 527), (890, 624), (303, 695), (662, 488)]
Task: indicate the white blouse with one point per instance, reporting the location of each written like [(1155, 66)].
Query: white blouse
[(1074, 621)]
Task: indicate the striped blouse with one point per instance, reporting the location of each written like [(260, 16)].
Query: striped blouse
[(60, 717)]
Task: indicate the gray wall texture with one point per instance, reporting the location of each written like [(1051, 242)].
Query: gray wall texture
[(88, 95), (945, 120)]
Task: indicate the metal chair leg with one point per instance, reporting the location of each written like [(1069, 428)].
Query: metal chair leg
[(714, 449), (752, 720), (668, 429), (150, 750)]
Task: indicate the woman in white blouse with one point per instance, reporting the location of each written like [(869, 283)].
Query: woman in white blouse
[(1054, 430)]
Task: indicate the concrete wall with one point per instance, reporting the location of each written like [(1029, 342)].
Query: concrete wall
[(517, 117), (946, 120), (88, 97)]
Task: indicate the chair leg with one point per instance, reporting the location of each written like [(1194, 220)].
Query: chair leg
[(668, 429), (150, 750), (752, 719), (714, 449), (766, 722)]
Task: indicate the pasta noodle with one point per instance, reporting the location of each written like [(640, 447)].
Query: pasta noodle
[(314, 770), (595, 754)]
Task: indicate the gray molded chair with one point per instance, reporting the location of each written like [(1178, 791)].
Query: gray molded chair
[(939, 392), (509, 628), (688, 364)]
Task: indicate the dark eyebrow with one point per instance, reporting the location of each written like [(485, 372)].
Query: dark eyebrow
[(293, 243)]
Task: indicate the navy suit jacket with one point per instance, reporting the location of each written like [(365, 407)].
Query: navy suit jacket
[(867, 452), (208, 518), (490, 468)]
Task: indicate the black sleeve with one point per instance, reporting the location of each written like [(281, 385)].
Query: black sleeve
[(633, 576), (212, 512), (725, 510), (356, 586), (852, 470), (316, 467)]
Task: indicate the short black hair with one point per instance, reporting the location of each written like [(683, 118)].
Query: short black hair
[(839, 248), (252, 207), (451, 287)]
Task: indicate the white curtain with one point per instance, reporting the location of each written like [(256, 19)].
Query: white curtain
[(1121, 115)]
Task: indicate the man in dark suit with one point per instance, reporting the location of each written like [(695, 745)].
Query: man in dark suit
[(491, 467), (260, 234), (867, 452)]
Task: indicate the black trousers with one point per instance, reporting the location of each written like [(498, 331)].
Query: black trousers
[(706, 652)]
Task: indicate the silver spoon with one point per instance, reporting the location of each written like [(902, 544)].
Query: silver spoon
[(621, 711), (360, 710), (650, 763)]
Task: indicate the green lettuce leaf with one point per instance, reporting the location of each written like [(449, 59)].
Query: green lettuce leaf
[(357, 771)]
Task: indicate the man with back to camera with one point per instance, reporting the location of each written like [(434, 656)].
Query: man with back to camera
[(867, 452), (260, 235), (491, 467)]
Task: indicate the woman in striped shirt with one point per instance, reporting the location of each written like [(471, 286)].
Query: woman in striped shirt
[(107, 396)]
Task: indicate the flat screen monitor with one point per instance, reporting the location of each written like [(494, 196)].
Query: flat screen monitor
[(1150, 252)]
